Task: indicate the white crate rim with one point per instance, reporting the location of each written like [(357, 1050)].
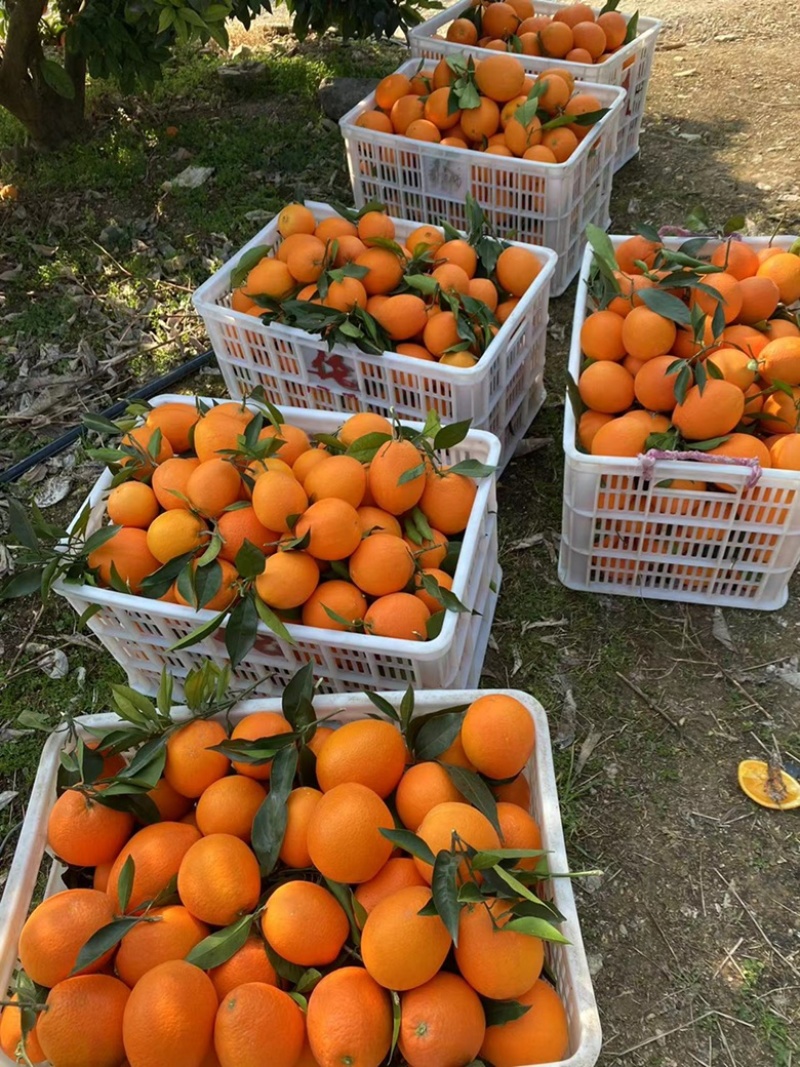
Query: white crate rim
[(31, 843), (506, 163), (646, 27), (420, 650), (665, 467), (203, 302)]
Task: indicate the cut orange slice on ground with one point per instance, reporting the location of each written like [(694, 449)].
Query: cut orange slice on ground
[(771, 789)]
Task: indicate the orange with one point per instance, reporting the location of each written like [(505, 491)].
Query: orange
[(375, 520), (342, 477), (399, 872), (441, 1023), (637, 249), (785, 452), (621, 437), (142, 440), (462, 31), (305, 924), (428, 238), (278, 499), (384, 270), (541, 1035), (213, 486), (176, 422), (481, 121), (517, 791), (270, 277), (342, 598), (169, 1017), (572, 14), (401, 616), (334, 529), (451, 818), (432, 602), (601, 336), (191, 766), (556, 39), (240, 525), (516, 269), (429, 554), (646, 334), (590, 37), (129, 552), (499, 20), (83, 832), (406, 110), (736, 366), (157, 852), (344, 838), (441, 333), (654, 386), (295, 218), (255, 727), (375, 120), (451, 279), (421, 788), (293, 243), (556, 92), (498, 735), (736, 258), (483, 289), (132, 504), (11, 1034), (374, 224), (300, 805), (447, 501), (713, 413), (56, 931), (521, 138), (783, 269), (349, 248), (742, 445), (781, 328), (458, 252), (306, 462), (455, 755), (423, 130), (500, 77), (614, 27), (169, 482), (779, 361), (400, 948), (518, 829), (224, 596), (391, 462), (256, 1016), (171, 805), (390, 89), (219, 430), (589, 424), (219, 879), (729, 298), (361, 424), (171, 935), (83, 1022), (250, 963), (288, 579), (757, 781), (606, 387), (174, 533), (381, 564), (307, 262), (760, 297), (368, 751), (346, 294), (295, 441), (229, 805), (349, 1020)]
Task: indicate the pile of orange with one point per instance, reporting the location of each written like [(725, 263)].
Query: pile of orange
[(314, 950), (414, 288), (516, 114), (574, 33), (740, 368), (349, 540)]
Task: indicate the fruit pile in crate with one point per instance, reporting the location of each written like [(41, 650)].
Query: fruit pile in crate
[(385, 884), (238, 532), (535, 151), (603, 46), (682, 447), (339, 309)]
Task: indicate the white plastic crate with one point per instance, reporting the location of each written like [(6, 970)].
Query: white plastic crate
[(629, 67), (546, 204), (568, 962), (139, 632), (622, 533), (502, 393)]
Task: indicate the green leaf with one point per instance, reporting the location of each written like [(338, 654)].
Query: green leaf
[(200, 633), (697, 220), (706, 446), (57, 78), (157, 583), (396, 1021), (423, 282), (473, 468), (633, 28), (499, 1012), (104, 939), (241, 629), (666, 305), (534, 927), (444, 885), (20, 525), (364, 448), (446, 598), (269, 824), (433, 625), (483, 860), (250, 259), (98, 538), (258, 752), (436, 735), (292, 973), (475, 791), (308, 981), (208, 582), (22, 584), (382, 704), (452, 435), (410, 843), (298, 696), (603, 249), (344, 895), (221, 944), (271, 620), (411, 474), (249, 560), (407, 708), (125, 883)]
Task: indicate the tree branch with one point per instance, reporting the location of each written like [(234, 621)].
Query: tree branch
[(21, 38)]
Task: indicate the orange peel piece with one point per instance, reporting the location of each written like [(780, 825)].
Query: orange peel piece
[(769, 787)]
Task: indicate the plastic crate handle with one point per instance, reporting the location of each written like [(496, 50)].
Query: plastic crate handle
[(648, 460)]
